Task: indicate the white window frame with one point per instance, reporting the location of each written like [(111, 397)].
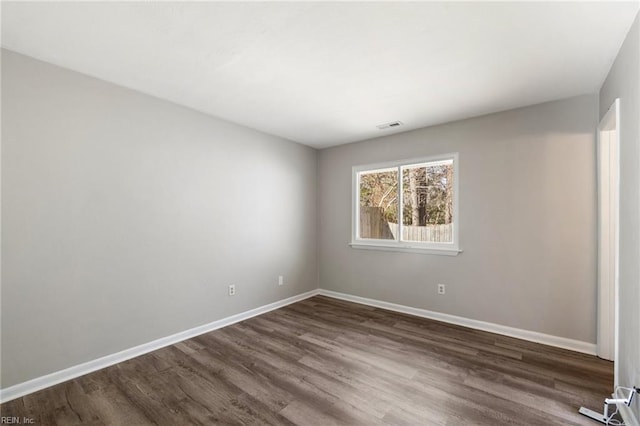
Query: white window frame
[(448, 249)]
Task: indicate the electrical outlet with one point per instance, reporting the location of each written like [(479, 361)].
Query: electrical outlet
[(232, 290), (441, 288), (280, 280)]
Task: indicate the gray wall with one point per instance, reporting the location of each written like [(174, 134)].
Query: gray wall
[(125, 217), (623, 82), (527, 221)]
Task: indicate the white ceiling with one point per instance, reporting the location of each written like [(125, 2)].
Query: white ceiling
[(327, 73)]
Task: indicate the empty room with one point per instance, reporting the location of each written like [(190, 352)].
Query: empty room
[(320, 213)]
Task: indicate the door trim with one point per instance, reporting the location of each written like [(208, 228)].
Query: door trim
[(608, 166)]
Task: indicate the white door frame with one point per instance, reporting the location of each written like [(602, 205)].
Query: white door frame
[(608, 233)]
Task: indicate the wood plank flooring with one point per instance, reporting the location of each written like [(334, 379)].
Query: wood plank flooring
[(328, 362)]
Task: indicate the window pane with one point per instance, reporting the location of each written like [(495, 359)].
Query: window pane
[(379, 204), (427, 201)]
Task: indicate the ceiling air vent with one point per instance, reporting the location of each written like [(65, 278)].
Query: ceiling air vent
[(389, 125)]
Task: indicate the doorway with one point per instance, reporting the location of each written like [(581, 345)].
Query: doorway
[(608, 233)]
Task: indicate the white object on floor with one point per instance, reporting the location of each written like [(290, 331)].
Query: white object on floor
[(604, 417)]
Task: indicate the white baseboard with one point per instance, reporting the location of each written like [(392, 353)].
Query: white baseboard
[(39, 383), (627, 415), (533, 336)]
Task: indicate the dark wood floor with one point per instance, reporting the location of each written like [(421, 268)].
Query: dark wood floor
[(322, 362)]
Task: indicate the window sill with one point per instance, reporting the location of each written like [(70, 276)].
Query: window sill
[(408, 249)]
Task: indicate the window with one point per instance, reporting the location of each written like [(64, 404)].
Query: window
[(407, 205)]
